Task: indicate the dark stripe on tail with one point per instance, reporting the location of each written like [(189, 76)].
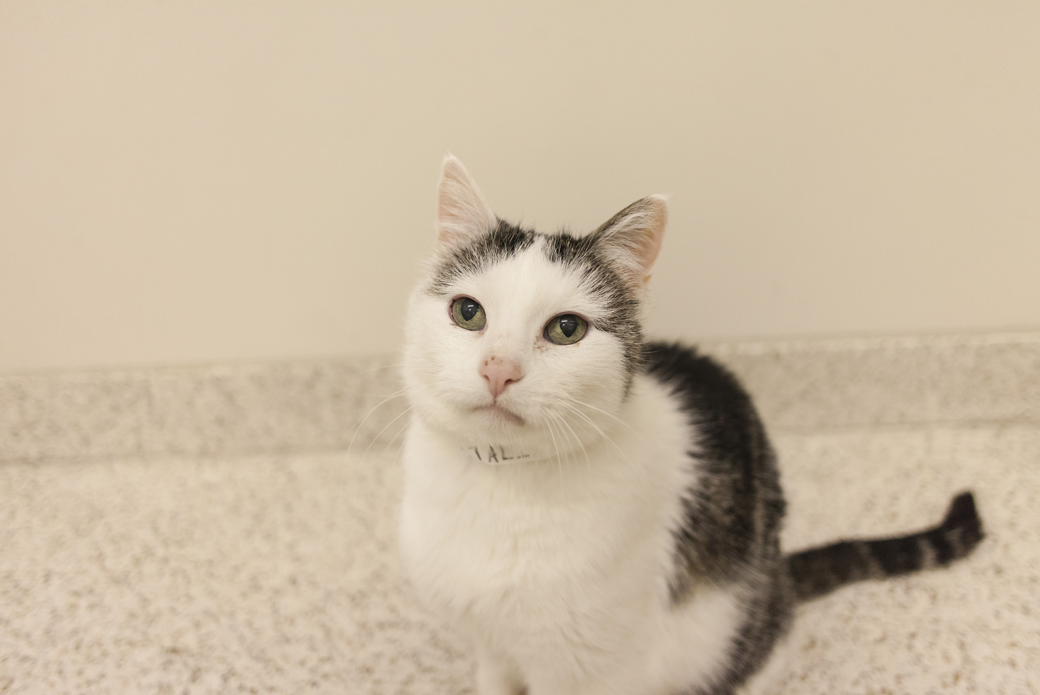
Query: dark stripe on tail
[(819, 571)]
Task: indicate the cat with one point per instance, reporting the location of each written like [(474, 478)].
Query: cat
[(597, 514)]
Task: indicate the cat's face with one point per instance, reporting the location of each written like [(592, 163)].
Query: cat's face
[(523, 340)]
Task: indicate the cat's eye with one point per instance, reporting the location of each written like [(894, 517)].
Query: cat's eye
[(566, 329), (467, 313)]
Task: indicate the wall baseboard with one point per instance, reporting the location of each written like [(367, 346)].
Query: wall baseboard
[(803, 385)]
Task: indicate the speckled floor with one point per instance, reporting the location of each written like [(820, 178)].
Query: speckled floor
[(277, 573)]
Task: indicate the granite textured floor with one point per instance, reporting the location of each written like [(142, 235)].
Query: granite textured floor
[(276, 573)]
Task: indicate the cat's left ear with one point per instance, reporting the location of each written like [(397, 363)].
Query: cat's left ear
[(632, 239)]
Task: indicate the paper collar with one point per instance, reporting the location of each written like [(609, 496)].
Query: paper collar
[(498, 454)]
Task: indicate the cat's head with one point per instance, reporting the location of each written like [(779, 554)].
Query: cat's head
[(523, 339)]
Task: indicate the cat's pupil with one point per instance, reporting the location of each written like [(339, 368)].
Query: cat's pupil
[(468, 309), (568, 324)]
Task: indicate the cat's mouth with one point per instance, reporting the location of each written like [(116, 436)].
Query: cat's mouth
[(500, 414)]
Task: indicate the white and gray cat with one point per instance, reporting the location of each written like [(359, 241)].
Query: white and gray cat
[(599, 515)]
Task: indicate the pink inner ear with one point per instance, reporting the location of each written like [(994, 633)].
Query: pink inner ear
[(450, 214), (634, 237), (461, 209), (650, 243)]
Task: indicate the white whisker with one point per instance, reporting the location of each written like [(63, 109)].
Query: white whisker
[(376, 438), (577, 439), (559, 459), (600, 410), (370, 412), (599, 429)]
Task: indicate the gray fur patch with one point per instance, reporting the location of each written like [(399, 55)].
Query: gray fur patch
[(500, 243), (606, 284)]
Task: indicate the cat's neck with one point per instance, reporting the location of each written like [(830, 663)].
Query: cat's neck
[(557, 442)]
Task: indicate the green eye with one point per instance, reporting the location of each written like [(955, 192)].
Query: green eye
[(468, 314), (566, 329)]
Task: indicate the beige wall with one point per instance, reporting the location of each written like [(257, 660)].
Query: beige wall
[(185, 182)]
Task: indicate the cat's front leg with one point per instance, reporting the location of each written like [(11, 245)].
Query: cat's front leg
[(496, 675)]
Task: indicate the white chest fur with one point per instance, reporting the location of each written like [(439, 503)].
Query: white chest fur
[(560, 566)]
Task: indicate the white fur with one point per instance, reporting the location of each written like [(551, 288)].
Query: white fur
[(442, 361), (556, 565)]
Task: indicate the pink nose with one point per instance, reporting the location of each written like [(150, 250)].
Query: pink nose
[(500, 373)]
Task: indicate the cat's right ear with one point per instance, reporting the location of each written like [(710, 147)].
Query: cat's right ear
[(632, 239), (462, 212)]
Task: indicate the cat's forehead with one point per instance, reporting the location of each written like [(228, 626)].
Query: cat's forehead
[(555, 272), (535, 274), (511, 250), (530, 283)]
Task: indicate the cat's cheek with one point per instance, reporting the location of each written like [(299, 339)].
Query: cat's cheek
[(595, 365)]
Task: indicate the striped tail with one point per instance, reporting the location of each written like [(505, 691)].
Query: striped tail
[(819, 571)]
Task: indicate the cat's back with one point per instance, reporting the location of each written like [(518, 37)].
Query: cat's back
[(733, 515), (711, 396)]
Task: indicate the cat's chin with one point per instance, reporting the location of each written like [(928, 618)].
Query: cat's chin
[(497, 415)]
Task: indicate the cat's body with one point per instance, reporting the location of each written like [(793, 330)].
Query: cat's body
[(598, 515), (574, 575)]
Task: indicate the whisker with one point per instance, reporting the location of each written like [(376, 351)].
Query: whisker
[(370, 412), (383, 517), (559, 460), (599, 429), (600, 410), (376, 438), (404, 428), (577, 439)]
